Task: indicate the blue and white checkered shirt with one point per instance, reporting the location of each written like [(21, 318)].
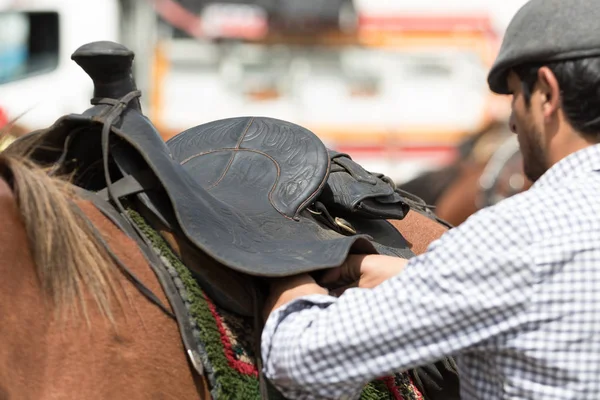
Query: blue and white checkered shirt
[(513, 293)]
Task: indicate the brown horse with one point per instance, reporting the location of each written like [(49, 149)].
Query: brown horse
[(72, 325), (483, 184), (488, 170)]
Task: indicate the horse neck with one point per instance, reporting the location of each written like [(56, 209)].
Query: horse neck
[(139, 356)]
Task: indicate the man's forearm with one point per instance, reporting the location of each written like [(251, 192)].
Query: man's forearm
[(286, 290), (287, 325)]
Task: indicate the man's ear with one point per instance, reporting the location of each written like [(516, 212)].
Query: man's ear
[(549, 90)]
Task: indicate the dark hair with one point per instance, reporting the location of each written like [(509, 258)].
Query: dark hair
[(579, 82)]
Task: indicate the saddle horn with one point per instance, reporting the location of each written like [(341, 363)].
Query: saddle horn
[(109, 65)]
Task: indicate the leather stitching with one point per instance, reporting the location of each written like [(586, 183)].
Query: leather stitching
[(236, 150), (237, 146)]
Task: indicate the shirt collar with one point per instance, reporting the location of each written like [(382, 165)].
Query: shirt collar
[(577, 163)]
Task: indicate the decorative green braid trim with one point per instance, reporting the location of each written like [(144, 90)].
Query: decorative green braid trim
[(229, 383), (376, 390)]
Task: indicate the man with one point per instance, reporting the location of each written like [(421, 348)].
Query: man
[(514, 292)]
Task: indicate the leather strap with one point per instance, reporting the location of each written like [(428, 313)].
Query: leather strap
[(180, 312), (129, 185)]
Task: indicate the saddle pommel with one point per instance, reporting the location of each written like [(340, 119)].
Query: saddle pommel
[(109, 65)]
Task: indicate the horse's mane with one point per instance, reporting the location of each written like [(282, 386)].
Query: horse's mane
[(70, 261)]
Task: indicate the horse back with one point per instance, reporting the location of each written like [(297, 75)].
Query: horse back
[(140, 356), (419, 230)]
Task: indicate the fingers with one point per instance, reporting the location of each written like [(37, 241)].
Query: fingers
[(348, 272), (352, 267), (377, 264)]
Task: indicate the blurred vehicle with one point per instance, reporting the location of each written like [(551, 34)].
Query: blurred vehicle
[(38, 82), (390, 82), (397, 90)]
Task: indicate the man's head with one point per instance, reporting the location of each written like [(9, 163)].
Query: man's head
[(555, 110), (550, 63)]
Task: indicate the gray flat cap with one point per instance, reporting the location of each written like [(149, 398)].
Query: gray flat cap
[(544, 31)]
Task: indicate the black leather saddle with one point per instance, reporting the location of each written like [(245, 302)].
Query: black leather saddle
[(256, 194), (272, 174)]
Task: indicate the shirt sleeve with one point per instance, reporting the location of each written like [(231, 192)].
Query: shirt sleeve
[(471, 286)]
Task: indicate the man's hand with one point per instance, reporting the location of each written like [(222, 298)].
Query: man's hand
[(363, 271), (284, 290)]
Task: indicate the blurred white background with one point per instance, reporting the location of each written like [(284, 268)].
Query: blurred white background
[(395, 83)]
